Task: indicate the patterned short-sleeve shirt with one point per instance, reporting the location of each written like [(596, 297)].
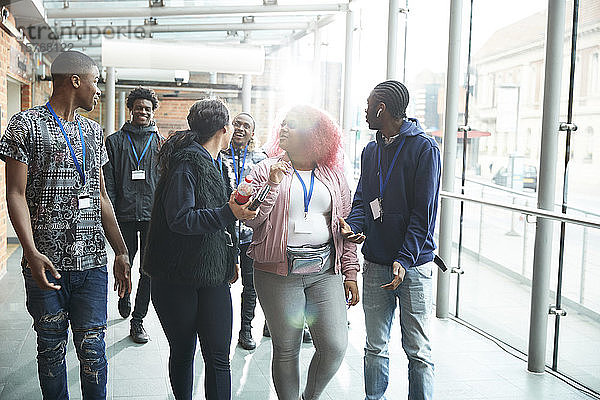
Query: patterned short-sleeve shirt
[(72, 238)]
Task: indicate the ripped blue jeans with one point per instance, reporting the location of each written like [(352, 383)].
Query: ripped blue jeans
[(81, 301)]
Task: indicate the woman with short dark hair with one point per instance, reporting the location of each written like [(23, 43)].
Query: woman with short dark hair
[(191, 251)]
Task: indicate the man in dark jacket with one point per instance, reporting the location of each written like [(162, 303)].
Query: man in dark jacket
[(394, 207), (131, 177), (241, 157)]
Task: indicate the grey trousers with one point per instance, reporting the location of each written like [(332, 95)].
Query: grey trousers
[(286, 302)]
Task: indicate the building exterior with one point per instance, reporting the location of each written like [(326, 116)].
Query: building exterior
[(508, 93)]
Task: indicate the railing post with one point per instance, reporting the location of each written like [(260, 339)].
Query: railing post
[(583, 262), (525, 239), (480, 226), (449, 161), (542, 259)]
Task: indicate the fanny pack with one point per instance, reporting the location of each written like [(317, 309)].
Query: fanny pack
[(308, 259)]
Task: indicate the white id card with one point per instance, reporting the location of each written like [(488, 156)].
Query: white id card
[(303, 225), (375, 209), (138, 175), (84, 201)]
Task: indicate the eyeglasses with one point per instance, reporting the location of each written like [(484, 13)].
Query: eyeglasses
[(291, 124), (239, 124)]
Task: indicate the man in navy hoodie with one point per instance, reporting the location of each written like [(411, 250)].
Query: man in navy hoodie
[(394, 212)]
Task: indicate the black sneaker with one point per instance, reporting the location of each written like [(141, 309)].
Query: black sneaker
[(138, 333), (124, 306), (306, 336), (245, 340), (266, 332)]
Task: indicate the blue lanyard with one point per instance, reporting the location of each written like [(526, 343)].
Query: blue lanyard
[(80, 168), (220, 163), (383, 184), (307, 196), (139, 160), (238, 176)]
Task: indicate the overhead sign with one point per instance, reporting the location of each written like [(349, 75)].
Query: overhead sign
[(190, 56)]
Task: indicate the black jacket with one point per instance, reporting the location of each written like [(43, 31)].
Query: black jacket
[(198, 255), (132, 200)]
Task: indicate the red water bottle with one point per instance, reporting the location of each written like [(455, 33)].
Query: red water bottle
[(244, 191)]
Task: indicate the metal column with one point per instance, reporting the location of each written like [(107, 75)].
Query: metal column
[(449, 156), (317, 67), (109, 97), (247, 93), (542, 257), (392, 44), (122, 108), (212, 78), (348, 60)]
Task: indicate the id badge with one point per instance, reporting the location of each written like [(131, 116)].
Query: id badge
[(303, 225), (84, 201), (138, 175), (375, 209), (228, 239)]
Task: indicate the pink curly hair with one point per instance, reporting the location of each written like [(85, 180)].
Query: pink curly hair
[(324, 136)]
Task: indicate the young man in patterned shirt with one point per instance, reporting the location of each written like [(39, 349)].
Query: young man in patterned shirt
[(61, 212)]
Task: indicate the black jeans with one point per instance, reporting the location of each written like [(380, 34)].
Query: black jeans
[(185, 313), (248, 292), (130, 230)]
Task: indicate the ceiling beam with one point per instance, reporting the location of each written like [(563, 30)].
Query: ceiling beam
[(144, 30), (142, 12)]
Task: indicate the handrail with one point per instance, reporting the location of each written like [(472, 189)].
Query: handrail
[(524, 210), (498, 187), (501, 188)]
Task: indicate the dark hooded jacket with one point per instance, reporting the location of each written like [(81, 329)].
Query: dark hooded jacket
[(132, 199), (410, 198)]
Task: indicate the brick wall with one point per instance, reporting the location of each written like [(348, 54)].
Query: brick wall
[(30, 96), (172, 114)]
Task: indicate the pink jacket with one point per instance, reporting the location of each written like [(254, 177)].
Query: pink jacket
[(269, 240)]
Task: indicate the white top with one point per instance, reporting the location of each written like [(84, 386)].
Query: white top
[(317, 230)]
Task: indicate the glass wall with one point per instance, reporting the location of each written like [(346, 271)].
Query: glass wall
[(503, 148)]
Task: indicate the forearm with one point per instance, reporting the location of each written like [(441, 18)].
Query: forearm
[(111, 229), (260, 177), (189, 221), (414, 240), (265, 207), (356, 216), (350, 265), (21, 221)]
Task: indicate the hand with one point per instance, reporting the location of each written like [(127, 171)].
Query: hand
[(347, 233), (122, 273), (399, 272), (278, 171), (351, 290), (236, 274), (39, 263), (241, 212)]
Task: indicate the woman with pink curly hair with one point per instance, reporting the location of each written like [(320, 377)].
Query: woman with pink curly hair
[(299, 255)]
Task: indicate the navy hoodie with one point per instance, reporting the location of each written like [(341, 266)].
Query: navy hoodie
[(410, 198)]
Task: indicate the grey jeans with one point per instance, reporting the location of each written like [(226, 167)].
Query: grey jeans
[(286, 302)]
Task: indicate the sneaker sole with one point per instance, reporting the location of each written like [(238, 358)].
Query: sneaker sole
[(139, 341)]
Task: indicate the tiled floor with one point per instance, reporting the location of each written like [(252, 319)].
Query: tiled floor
[(468, 366)]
